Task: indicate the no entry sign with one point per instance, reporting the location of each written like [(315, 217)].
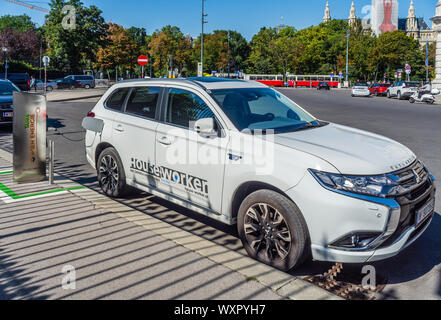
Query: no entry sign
[(143, 60)]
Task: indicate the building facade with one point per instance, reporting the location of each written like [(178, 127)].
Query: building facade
[(385, 18)]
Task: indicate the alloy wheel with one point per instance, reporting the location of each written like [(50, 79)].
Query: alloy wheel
[(267, 232), (109, 174)]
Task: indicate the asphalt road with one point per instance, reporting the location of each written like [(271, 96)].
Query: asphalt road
[(415, 274)]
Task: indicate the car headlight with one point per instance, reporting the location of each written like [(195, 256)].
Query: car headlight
[(377, 186)]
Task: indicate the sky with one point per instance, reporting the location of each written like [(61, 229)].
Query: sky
[(244, 16)]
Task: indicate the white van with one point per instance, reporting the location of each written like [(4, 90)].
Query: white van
[(242, 153)]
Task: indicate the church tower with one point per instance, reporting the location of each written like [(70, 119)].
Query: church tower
[(352, 16), (412, 22), (327, 16)]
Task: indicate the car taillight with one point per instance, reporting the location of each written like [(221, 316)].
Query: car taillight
[(404, 87), (91, 114), (29, 82), (78, 82)]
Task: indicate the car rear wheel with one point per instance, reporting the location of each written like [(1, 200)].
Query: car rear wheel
[(87, 86), (399, 97), (389, 95), (273, 230), (111, 176)]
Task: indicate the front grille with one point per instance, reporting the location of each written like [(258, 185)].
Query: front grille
[(419, 189)]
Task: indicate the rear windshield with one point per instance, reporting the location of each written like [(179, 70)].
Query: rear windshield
[(412, 84), (385, 85), (361, 84)]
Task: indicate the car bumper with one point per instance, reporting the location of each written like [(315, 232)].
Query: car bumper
[(361, 93), (331, 216)]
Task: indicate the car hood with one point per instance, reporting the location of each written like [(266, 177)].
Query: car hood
[(349, 150), (6, 99)]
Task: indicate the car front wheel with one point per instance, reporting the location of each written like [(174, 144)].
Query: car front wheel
[(111, 176), (273, 230)]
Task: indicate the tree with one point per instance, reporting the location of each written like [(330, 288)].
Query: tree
[(18, 23), (73, 50), (391, 52), (24, 46), (170, 43), (261, 55), (120, 49)]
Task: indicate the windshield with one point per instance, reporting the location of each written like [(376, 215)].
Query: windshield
[(6, 89), (412, 84), (263, 109)]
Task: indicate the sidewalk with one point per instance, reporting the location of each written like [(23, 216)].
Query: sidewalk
[(76, 94), (118, 252)]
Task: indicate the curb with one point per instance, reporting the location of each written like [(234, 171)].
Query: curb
[(285, 285), (76, 99)]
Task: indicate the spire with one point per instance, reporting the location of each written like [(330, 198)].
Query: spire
[(412, 22), (411, 10), (327, 16), (352, 15)]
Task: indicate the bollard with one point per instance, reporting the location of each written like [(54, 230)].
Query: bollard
[(51, 161)]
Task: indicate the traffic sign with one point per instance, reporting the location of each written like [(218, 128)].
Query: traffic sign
[(46, 60), (143, 60), (408, 67)]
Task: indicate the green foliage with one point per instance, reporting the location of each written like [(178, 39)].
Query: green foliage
[(73, 50), (18, 23)]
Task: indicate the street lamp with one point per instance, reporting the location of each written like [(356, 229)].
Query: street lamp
[(202, 35), (5, 50), (347, 55)]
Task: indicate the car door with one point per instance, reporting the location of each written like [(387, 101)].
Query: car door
[(134, 132), (189, 166)]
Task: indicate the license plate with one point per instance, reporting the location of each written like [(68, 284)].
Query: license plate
[(8, 114), (425, 212)]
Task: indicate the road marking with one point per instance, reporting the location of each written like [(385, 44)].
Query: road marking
[(8, 195)]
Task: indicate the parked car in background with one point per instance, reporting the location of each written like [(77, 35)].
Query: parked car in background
[(403, 89), (361, 89), (323, 85), (87, 82), (50, 85), (7, 89), (379, 89), (21, 80), (68, 83)]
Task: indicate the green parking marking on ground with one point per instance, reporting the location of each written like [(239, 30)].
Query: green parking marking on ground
[(10, 193), (6, 172)]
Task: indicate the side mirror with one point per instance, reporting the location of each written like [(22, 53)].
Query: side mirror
[(206, 127)]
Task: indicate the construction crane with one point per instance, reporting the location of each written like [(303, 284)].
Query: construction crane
[(28, 5)]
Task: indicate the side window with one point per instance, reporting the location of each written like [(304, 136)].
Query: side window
[(116, 100), (143, 102), (185, 107)]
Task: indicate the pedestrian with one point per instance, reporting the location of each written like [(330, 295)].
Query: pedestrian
[(33, 84)]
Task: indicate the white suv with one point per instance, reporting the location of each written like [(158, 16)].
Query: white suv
[(402, 89), (242, 153)]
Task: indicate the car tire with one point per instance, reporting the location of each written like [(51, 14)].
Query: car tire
[(388, 95), (87, 86), (412, 100), (49, 88), (111, 175), (399, 96), (273, 230)]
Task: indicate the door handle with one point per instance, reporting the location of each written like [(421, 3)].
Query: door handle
[(165, 141), (119, 128)]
